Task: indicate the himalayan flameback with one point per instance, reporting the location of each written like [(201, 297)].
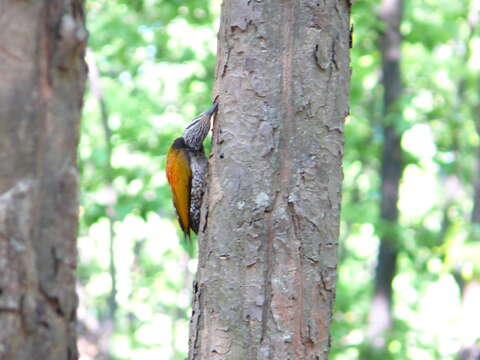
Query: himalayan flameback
[(187, 168)]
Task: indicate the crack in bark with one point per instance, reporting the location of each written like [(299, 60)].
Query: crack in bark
[(285, 166), (12, 56), (299, 277), (350, 39), (225, 66), (53, 302), (196, 318), (334, 54), (10, 310)]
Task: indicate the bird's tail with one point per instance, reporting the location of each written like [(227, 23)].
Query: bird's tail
[(188, 244)]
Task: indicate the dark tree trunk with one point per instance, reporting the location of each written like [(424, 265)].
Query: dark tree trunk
[(475, 216), (42, 72), (470, 290), (380, 318), (267, 248)]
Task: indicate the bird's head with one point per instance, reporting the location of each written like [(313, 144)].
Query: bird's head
[(198, 129)]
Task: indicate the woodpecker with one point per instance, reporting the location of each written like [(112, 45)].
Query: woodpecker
[(187, 167)]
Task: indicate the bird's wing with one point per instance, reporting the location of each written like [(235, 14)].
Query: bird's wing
[(179, 177)]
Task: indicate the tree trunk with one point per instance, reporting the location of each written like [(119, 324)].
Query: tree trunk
[(42, 72), (267, 248), (380, 318), (470, 290)]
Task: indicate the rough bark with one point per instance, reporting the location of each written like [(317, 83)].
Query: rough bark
[(267, 248), (380, 318), (42, 72)]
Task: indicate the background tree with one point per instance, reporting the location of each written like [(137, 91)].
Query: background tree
[(42, 69), (380, 317), (267, 253), (468, 81)]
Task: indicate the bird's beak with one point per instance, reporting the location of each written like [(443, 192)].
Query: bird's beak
[(210, 111)]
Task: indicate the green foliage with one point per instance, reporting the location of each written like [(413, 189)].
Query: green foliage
[(156, 61), (437, 117)]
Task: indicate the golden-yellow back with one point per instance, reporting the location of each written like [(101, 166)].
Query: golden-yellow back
[(179, 177)]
